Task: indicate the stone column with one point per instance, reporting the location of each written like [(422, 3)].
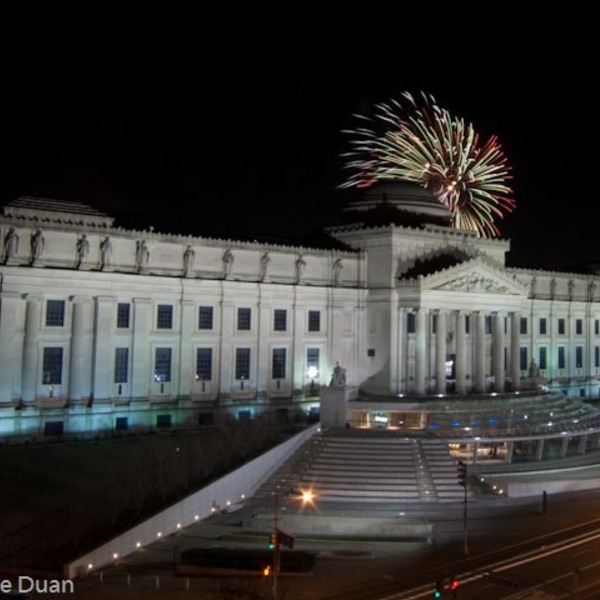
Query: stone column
[(80, 367), (33, 315), (461, 353), (142, 359), (440, 353), (480, 353), (401, 351), (12, 324), (420, 350), (102, 375), (498, 352), (187, 360), (515, 350)]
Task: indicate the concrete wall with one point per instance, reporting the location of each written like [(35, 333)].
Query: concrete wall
[(232, 488)]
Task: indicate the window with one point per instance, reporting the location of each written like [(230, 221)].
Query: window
[(244, 319), (596, 356), (561, 327), (542, 327), (242, 363), (578, 326), (162, 364), (543, 354), (467, 324), (54, 428), (163, 421), (578, 357), (434, 324), (280, 319), (204, 364), (561, 357), (524, 363), (312, 358), (411, 322), (488, 324), (164, 316), (123, 315), (314, 320), (278, 366), (55, 313), (596, 326), (523, 326), (121, 363), (205, 317), (52, 366), (121, 424)]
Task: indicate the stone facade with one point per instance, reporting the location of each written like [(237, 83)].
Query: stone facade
[(103, 328)]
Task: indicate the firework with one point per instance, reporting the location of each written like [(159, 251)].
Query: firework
[(423, 143)]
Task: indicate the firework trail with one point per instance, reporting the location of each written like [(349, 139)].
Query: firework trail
[(423, 143)]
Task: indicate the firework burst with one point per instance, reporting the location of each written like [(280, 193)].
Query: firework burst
[(423, 143)]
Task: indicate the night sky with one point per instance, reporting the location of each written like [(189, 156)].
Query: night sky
[(194, 139)]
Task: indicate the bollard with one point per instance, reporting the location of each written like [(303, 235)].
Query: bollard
[(187, 584), (128, 579), (157, 581), (544, 502), (101, 576)]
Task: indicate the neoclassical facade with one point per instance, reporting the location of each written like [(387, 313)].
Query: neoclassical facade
[(108, 329)]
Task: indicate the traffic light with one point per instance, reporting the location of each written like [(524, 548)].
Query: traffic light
[(454, 587), (462, 473), (439, 587), (273, 540)]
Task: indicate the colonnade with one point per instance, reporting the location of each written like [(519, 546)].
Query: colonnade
[(428, 350)]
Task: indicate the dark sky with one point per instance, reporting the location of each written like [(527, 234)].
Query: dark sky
[(248, 141)]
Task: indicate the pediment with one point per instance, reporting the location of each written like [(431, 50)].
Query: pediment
[(475, 277)]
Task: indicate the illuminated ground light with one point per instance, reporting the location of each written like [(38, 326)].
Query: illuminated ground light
[(178, 525), (138, 544), (196, 517), (159, 534), (115, 555), (90, 566)]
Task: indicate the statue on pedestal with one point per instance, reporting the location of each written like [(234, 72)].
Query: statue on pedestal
[(338, 377)]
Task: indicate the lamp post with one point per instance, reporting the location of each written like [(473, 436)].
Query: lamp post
[(306, 497), (312, 373)]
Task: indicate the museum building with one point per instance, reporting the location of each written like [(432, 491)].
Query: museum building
[(106, 329)]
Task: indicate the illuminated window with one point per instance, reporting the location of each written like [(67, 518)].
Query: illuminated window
[(242, 363), (312, 358), (162, 364), (204, 363)]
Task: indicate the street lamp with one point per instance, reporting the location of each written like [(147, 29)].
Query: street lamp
[(278, 537), (312, 373)]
